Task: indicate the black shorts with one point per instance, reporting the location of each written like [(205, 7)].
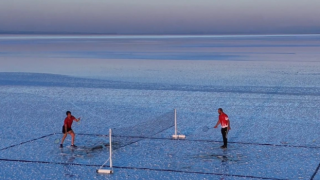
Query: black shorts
[(64, 130)]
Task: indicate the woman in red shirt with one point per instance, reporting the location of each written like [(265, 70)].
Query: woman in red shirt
[(66, 128)]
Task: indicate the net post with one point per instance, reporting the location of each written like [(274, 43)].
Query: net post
[(176, 136), (107, 171), (175, 121), (110, 142)]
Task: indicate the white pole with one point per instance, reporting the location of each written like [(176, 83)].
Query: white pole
[(175, 122), (110, 143)]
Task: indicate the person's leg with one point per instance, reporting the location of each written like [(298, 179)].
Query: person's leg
[(224, 135), (64, 137), (72, 136)]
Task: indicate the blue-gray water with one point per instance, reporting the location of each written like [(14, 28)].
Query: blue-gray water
[(268, 85)]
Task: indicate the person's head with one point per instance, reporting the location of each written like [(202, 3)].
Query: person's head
[(68, 113), (220, 110)]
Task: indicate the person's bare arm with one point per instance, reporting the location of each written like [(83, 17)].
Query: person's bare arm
[(229, 126), (77, 119), (218, 122)]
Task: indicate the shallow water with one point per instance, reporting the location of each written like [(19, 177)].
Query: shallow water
[(268, 85)]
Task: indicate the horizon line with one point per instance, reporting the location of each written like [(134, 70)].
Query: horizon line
[(115, 36)]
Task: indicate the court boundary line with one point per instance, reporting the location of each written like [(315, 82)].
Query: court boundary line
[(35, 139), (202, 140), (137, 168), (315, 172), (152, 169)]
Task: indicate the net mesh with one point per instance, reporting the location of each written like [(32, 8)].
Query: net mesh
[(128, 135)]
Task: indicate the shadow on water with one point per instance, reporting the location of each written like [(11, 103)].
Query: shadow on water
[(66, 168), (84, 151), (70, 155), (224, 157)]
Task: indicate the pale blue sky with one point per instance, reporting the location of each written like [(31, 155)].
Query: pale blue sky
[(161, 16)]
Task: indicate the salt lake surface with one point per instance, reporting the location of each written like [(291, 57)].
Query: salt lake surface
[(268, 85)]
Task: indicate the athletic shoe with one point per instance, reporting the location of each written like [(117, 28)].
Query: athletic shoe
[(223, 147), (61, 146), (74, 146)]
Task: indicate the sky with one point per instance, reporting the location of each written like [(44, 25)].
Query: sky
[(161, 16)]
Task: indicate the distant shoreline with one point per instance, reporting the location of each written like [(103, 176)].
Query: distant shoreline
[(164, 34), (145, 36)]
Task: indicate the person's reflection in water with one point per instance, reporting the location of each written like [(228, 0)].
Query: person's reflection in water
[(68, 159), (224, 165)]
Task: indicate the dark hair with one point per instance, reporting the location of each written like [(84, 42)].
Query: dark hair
[(220, 109), (68, 112)]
